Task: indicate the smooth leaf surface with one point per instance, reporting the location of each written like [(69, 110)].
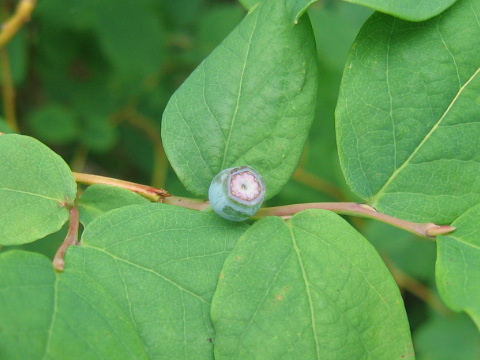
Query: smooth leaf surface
[(457, 269), (160, 263), (408, 119), (244, 105), (54, 124), (139, 287), (413, 10), (44, 315), (310, 288), (98, 199), (36, 186)]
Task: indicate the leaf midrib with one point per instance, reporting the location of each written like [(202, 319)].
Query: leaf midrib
[(240, 85), (307, 290), (374, 199)]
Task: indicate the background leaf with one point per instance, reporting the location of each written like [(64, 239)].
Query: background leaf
[(36, 187), (54, 124), (302, 287), (457, 270), (256, 113), (98, 199), (408, 115), (455, 337)]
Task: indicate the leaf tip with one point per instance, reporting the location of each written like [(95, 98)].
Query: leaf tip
[(436, 230)]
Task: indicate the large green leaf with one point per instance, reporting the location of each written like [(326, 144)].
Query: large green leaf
[(251, 102), (408, 115), (36, 188), (139, 286), (310, 288), (59, 316), (457, 269)]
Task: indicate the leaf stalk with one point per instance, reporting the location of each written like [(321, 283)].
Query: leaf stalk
[(70, 239)]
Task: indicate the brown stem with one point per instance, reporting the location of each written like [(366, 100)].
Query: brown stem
[(21, 16), (149, 192), (70, 239), (8, 92), (186, 203), (428, 230)]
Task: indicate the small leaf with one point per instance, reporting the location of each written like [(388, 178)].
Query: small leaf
[(36, 187), (457, 270), (98, 199), (408, 115), (244, 105), (54, 124), (98, 134), (310, 288)]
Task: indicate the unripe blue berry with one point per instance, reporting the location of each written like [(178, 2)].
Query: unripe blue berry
[(237, 193)]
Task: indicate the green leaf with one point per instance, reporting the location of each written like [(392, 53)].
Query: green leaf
[(47, 246), (455, 337), (244, 105), (98, 134), (457, 270), (59, 316), (408, 115), (161, 264), (98, 199), (310, 288), (134, 46), (248, 4), (413, 10), (36, 187), (54, 124), (139, 286)]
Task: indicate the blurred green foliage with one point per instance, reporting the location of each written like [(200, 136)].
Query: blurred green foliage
[(92, 79)]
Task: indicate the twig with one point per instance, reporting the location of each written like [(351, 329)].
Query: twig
[(21, 16), (149, 192), (428, 230), (187, 202), (8, 92), (70, 239)]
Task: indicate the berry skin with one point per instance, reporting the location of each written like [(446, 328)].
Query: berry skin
[(237, 193)]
